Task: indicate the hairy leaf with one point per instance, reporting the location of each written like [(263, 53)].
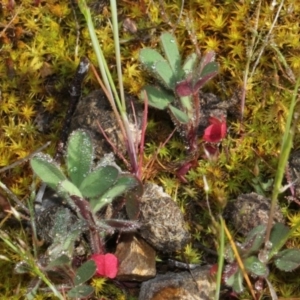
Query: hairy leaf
[(185, 87), (85, 272), (179, 115), (149, 58), (99, 181), (123, 225), (190, 63), (253, 241), (233, 277), (45, 168), (255, 266), (80, 291), (208, 72), (278, 237), (158, 98), (67, 188), (59, 261), (23, 267), (79, 156), (124, 183), (165, 74), (169, 46), (288, 260)]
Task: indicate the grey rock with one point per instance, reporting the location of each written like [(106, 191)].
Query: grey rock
[(194, 285), (249, 211), (94, 110), (162, 221)]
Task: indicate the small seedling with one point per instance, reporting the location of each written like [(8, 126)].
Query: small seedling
[(178, 90), (179, 84), (85, 191), (255, 259), (61, 269)]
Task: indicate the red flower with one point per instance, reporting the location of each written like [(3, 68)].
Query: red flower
[(107, 265), (215, 132)]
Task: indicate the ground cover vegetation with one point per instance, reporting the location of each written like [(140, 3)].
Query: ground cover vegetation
[(172, 54)]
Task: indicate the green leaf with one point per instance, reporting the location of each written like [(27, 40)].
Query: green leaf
[(85, 272), (190, 63), (45, 168), (255, 266), (158, 66), (209, 71), (149, 57), (253, 241), (210, 68), (187, 104), (67, 188), (124, 183), (158, 98), (59, 261), (99, 181), (64, 244), (66, 230), (236, 281), (80, 291), (205, 60), (23, 267), (179, 115), (169, 46), (165, 74), (278, 237), (288, 260), (79, 156)]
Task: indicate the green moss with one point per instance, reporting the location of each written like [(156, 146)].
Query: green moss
[(38, 59)]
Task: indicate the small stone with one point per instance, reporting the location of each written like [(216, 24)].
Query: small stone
[(162, 221), (249, 211), (194, 285), (94, 110), (136, 257), (294, 173)]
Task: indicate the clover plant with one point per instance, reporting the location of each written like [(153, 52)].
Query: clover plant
[(86, 190), (115, 98), (75, 279), (179, 84), (99, 185), (256, 260)]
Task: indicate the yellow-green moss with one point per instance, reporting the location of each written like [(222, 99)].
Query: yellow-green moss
[(38, 59)]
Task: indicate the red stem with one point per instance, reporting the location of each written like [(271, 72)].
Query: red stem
[(143, 134)]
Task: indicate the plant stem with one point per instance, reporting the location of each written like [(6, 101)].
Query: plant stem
[(122, 108), (143, 134), (287, 143), (108, 81), (26, 256), (266, 39), (239, 260), (250, 51), (282, 59), (114, 15), (220, 259)]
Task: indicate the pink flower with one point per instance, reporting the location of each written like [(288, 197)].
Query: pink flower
[(107, 265), (215, 132)]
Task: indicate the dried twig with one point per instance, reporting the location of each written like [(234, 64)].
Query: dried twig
[(75, 93)]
